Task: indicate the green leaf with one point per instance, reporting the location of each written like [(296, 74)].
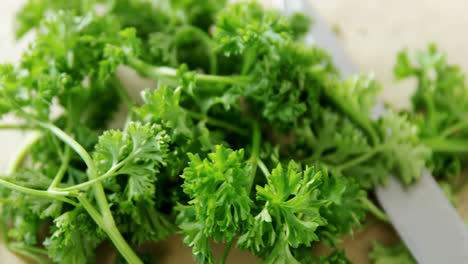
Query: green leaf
[(439, 106), (245, 25), (162, 106), (344, 210), (138, 153), (405, 151), (292, 200), (148, 224), (194, 234), (74, 238), (217, 188)]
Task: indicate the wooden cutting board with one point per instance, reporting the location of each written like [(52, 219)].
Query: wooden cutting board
[(372, 32)]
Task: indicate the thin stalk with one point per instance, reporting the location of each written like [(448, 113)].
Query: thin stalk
[(106, 175), (227, 249), (30, 252), (446, 144), (263, 168), (58, 195), (207, 41), (63, 168), (256, 139), (122, 93), (114, 234), (23, 152), (168, 73), (92, 171), (452, 129), (27, 253), (218, 123), (15, 127), (359, 159), (379, 214), (99, 194), (3, 228), (56, 143), (35, 250)]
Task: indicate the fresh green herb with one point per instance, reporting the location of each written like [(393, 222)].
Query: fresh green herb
[(250, 138), (439, 108)]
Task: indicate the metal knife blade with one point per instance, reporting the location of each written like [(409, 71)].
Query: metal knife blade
[(421, 214)]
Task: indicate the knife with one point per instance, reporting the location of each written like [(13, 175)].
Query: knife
[(420, 212)]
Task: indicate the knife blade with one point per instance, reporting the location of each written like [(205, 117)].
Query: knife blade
[(420, 213)]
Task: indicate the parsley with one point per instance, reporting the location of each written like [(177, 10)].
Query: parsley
[(438, 107), (250, 138)]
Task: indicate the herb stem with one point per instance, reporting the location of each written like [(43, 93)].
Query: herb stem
[(58, 195), (446, 145), (110, 228), (371, 207), (359, 159), (218, 123), (170, 74), (35, 250), (63, 168), (256, 139), (90, 182), (99, 194), (206, 40), (227, 249), (15, 127), (122, 92), (452, 129), (26, 251), (23, 152), (3, 228), (263, 168)]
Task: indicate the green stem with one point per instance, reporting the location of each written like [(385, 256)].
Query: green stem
[(218, 123), (15, 127), (114, 234), (361, 120), (122, 92), (207, 41), (35, 250), (99, 194), (23, 152), (63, 168), (170, 74), (359, 159), (263, 168), (379, 214), (3, 228), (227, 249), (26, 252), (30, 252), (452, 129), (256, 139), (446, 144), (109, 173), (53, 194)]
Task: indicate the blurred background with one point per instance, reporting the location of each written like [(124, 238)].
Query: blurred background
[(372, 32)]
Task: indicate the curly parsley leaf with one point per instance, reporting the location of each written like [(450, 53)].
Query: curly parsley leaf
[(74, 238), (439, 107), (218, 190)]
